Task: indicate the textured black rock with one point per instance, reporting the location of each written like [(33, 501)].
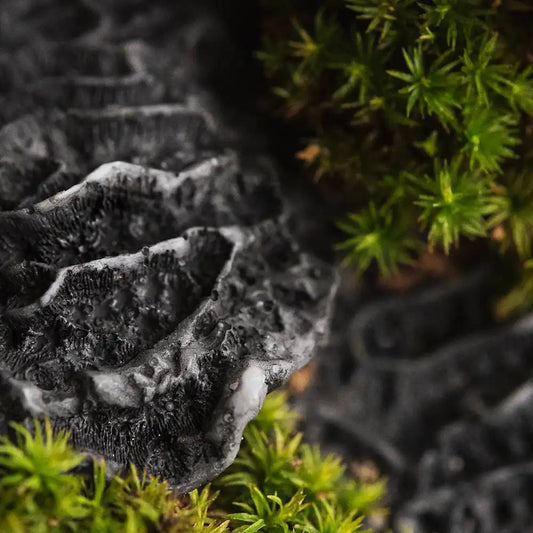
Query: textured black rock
[(150, 293), (162, 356), (498, 501), (439, 396), (401, 329)]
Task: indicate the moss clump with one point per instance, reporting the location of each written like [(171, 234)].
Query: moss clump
[(421, 110), (277, 484), (280, 484)]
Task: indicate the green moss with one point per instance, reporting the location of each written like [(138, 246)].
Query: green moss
[(277, 484), (422, 109)]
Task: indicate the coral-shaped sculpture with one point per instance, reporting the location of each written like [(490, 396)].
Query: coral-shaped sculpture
[(150, 293)]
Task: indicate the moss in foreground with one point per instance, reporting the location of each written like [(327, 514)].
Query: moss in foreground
[(277, 484)]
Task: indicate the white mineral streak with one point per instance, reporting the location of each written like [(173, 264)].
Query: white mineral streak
[(243, 405), (115, 389)]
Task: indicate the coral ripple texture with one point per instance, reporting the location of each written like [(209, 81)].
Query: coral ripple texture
[(429, 388), (150, 293)]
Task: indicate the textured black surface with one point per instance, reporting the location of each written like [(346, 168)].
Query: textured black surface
[(439, 397), (150, 293)]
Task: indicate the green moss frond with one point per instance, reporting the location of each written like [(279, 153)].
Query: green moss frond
[(431, 89), (454, 202), (376, 235)]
